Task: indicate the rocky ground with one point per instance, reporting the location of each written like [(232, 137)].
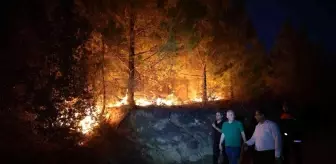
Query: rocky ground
[(171, 136)]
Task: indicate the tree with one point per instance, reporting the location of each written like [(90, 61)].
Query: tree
[(294, 65), (202, 53), (139, 37), (64, 99), (253, 73), (50, 88), (193, 30), (233, 32)]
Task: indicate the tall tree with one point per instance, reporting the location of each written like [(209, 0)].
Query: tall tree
[(140, 36), (51, 85), (233, 33), (294, 65), (194, 30)]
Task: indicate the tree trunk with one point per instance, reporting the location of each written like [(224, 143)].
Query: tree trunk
[(231, 86), (204, 85), (205, 94), (103, 81), (131, 80)]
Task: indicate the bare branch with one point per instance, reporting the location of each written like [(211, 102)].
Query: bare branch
[(164, 56), (124, 63), (140, 31), (143, 52), (191, 75), (151, 55), (160, 60), (117, 18)]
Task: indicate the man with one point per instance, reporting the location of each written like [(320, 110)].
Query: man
[(217, 126), (285, 114), (290, 128), (267, 140), (232, 132)]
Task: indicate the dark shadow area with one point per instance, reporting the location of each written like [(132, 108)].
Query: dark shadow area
[(116, 147), (19, 144)]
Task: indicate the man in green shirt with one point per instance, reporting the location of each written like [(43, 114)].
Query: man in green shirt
[(232, 132)]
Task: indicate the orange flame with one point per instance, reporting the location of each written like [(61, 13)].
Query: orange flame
[(87, 124), (90, 121)]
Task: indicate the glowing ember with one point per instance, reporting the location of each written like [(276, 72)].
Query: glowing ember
[(87, 124), (120, 103), (197, 100), (143, 102), (115, 116), (168, 101), (160, 101)]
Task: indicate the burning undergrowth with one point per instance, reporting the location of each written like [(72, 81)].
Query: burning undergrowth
[(86, 121)]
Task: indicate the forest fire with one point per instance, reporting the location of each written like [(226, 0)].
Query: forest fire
[(170, 100), (90, 121), (96, 80)]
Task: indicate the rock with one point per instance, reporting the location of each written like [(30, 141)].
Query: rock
[(171, 136)]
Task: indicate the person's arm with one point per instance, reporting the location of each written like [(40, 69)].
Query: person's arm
[(215, 127), (241, 128), (222, 137), (277, 139), (243, 136), (221, 141), (251, 141)]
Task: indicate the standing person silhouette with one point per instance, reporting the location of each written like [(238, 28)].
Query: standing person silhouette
[(217, 132)]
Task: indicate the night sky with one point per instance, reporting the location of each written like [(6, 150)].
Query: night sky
[(268, 16), (318, 16)]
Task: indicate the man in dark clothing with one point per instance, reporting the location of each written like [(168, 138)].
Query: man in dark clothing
[(285, 114), (217, 126)]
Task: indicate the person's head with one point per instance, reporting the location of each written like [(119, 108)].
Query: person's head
[(260, 115), (230, 115), (284, 107), (219, 116)]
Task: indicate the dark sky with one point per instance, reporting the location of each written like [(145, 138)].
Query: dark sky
[(317, 15)]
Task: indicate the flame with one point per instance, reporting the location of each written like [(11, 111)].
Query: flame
[(113, 116), (197, 99), (87, 124), (142, 102), (122, 102), (170, 100)]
